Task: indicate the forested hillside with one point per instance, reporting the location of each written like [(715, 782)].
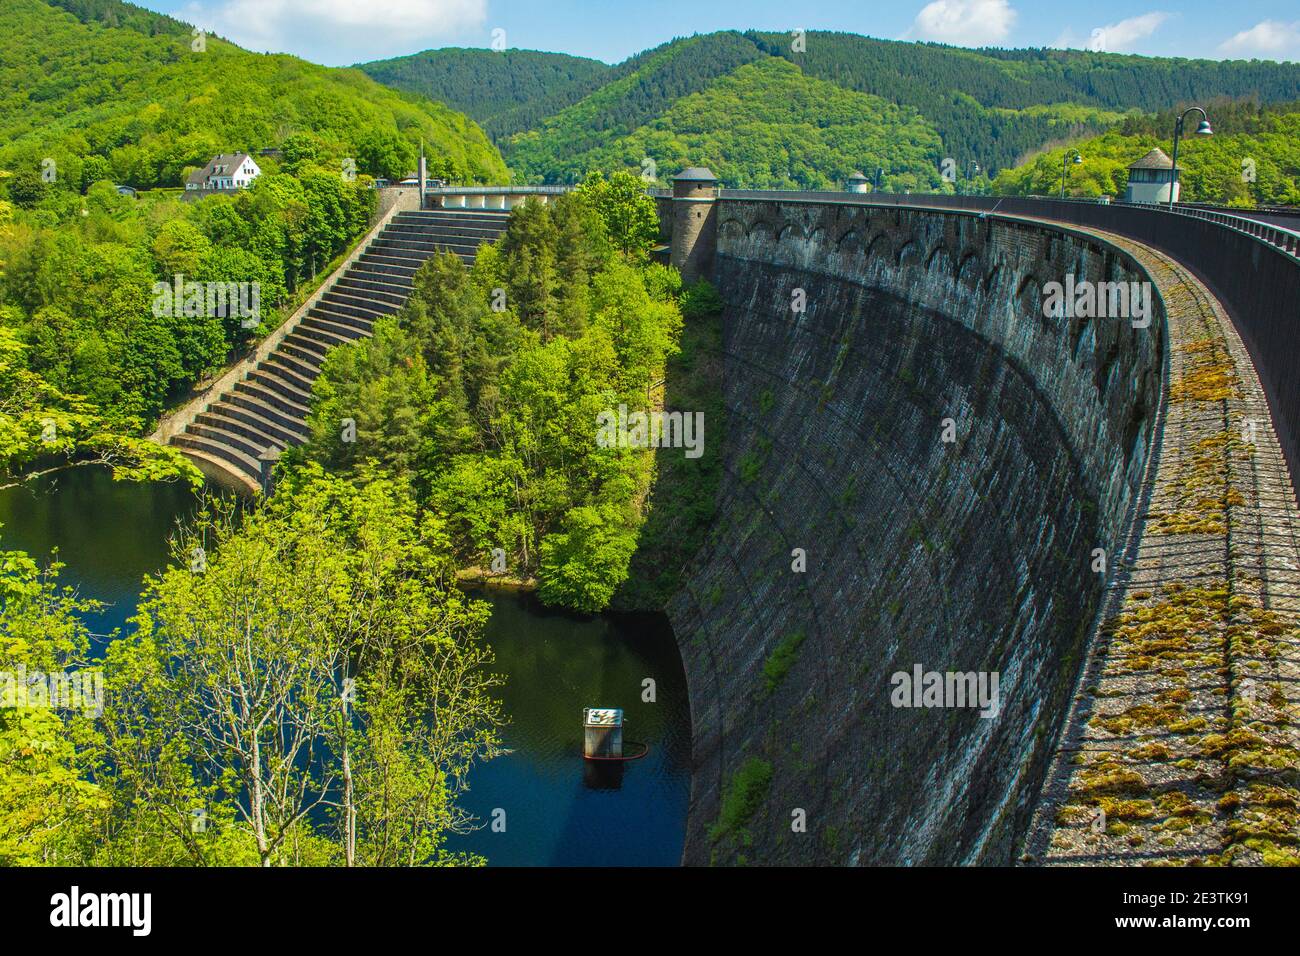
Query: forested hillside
[(988, 107), (117, 13), (1251, 158), (765, 125), (140, 109), (988, 104), (87, 357), (504, 92), (491, 412)]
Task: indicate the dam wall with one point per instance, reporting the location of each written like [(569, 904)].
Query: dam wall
[(919, 468), (1250, 262)]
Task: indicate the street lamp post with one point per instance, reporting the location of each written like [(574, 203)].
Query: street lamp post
[(1202, 129), (1073, 156), (970, 165)]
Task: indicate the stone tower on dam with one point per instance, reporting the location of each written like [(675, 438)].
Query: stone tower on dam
[(694, 222)]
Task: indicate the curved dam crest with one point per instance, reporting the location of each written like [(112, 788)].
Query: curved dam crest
[(974, 555)]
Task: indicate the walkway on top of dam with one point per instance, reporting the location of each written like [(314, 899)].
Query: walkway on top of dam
[(1182, 744)]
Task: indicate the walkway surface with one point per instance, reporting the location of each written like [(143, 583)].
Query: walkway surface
[(1182, 747)]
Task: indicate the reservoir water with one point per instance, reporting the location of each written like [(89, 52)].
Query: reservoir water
[(556, 808)]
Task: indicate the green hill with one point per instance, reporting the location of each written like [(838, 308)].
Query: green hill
[(1251, 159), (505, 92), (765, 124), (142, 99), (98, 92), (994, 107)]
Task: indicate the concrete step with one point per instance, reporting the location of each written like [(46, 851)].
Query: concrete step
[(252, 399), (395, 259), (346, 304), (244, 463), (341, 323), (430, 249), (287, 390), (289, 369), (401, 271), (400, 283), (371, 290), (489, 218), (447, 234), (273, 430), (306, 350), (229, 437), (417, 234), (322, 331)]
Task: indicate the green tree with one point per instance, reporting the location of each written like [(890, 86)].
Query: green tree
[(48, 807), (310, 678), (628, 212)]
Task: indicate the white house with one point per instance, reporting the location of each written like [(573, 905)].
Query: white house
[(1150, 179), (224, 171)]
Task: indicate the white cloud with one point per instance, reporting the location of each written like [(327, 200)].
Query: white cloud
[(1268, 39), (340, 32), (1115, 37), (1120, 36), (963, 22)]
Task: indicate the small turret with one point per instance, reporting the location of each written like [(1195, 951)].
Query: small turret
[(695, 194)]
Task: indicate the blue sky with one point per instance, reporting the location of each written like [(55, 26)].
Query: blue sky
[(339, 32)]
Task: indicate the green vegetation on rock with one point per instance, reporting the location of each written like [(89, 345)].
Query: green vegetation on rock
[(745, 793), (780, 661)]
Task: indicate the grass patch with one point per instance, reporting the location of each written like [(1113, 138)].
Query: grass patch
[(747, 790), (780, 661)]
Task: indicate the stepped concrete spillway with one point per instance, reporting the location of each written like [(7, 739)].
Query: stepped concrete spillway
[(235, 431)]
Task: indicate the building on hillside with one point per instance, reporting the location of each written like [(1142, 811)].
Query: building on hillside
[(127, 191), (1151, 178), (225, 172), (857, 183)]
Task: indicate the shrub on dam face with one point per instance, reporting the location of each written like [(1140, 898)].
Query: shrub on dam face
[(746, 792)]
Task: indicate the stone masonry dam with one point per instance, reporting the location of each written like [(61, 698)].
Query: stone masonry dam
[(925, 470), (953, 462)]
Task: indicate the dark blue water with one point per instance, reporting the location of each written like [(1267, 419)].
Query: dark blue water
[(109, 534), (559, 809)]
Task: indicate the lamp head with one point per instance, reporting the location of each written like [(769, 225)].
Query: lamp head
[(1077, 159), (1203, 128)]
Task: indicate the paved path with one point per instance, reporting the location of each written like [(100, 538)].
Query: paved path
[(1182, 747)]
